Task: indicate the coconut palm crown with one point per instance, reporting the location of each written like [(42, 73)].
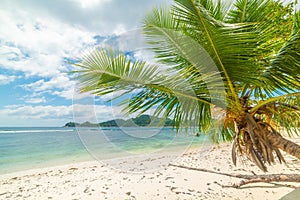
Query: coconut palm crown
[(241, 60)]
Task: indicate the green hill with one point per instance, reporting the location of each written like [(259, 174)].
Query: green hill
[(143, 120)]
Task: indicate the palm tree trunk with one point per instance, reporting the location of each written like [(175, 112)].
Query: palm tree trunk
[(285, 145)]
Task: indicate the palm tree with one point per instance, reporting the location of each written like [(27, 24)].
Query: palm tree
[(242, 60)]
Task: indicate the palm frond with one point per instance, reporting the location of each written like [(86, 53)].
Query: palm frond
[(106, 71), (274, 99), (172, 95), (271, 20), (232, 47), (296, 26), (284, 71), (217, 9), (281, 112), (192, 14), (245, 61), (248, 11)]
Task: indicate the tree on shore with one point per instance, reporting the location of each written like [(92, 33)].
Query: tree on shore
[(241, 61)]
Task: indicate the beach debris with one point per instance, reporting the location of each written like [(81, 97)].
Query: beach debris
[(250, 178), (128, 193), (3, 193), (86, 190)]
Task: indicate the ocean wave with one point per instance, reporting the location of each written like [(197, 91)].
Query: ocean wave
[(35, 131)]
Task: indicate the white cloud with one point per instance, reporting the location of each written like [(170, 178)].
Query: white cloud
[(35, 100), (19, 114), (36, 112), (38, 35), (100, 16), (128, 40), (59, 82), (36, 38), (4, 80), (90, 3), (60, 85), (37, 46), (119, 29)]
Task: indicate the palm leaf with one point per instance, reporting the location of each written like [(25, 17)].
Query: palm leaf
[(233, 48), (284, 72), (281, 112), (106, 71), (248, 11), (274, 99), (217, 9), (243, 60), (271, 19)]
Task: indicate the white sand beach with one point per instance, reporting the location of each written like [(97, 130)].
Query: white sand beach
[(96, 180)]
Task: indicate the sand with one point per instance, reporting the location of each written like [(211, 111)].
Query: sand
[(136, 178)]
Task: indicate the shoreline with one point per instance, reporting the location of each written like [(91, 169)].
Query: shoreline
[(96, 180), (176, 152), (90, 156), (52, 147)]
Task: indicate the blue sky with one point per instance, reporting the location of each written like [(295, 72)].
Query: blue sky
[(38, 38)]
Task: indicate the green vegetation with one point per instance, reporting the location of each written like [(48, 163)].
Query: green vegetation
[(71, 124), (143, 120), (241, 62)]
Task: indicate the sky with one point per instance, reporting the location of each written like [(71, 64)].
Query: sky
[(38, 39)]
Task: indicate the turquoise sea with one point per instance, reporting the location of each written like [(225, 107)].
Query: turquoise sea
[(23, 148)]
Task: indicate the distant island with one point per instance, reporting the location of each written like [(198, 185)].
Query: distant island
[(143, 120)]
